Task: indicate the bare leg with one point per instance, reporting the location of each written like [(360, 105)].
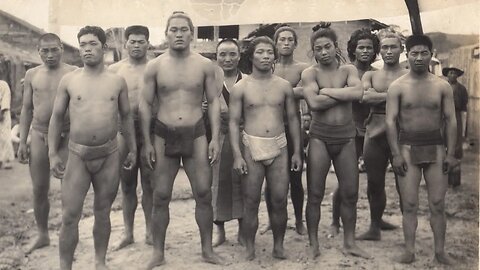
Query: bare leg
[(318, 163), (269, 211), (220, 234), (147, 199), (296, 189), (75, 185), (335, 226), (240, 235)]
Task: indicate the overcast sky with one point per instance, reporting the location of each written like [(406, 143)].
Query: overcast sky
[(462, 19)]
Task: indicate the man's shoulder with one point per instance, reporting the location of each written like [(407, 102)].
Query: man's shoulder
[(301, 65), (116, 66), (31, 72), (280, 82), (347, 68)]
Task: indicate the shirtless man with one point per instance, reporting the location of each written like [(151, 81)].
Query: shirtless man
[(262, 98), (421, 104), (131, 69), (95, 97), (40, 87), (179, 78), (362, 48), (329, 90), (286, 67), (376, 152)]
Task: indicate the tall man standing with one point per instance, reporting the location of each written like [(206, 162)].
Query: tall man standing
[(132, 70), (179, 79), (262, 98), (376, 151), (419, 105), (94, 97), (40, 88)]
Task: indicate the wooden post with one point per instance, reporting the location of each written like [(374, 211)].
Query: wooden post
[(53, 10), (414, 13)]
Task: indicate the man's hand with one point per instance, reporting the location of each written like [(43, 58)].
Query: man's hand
[(149, 155), (297, 164), (213, 151), (368, 94), (56, 166), (130, 161), (240, 166), (449, 163), (23, 153), (399, 165)]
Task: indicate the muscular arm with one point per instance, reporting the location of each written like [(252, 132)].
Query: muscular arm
[(315, 101), (235, 111), (393, 108), (352, 92), (450, 120), (212, 94), (56, 120), (146, 101), (26, 115), (370, 95), (126, 117), (293, 119)]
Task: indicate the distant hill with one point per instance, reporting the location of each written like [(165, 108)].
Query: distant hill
[(444, 43)]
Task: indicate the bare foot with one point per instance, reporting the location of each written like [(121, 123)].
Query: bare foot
[(313, 252), (279, 254), (386, 226), (250, 254), (42, 240), (300, 228), (266, 229), (101, 266), (370, 235), (334, 230), (406, 258), (213, 258), (443, 258), (157, 260), (220, 240), (354, 250), (128, 240)]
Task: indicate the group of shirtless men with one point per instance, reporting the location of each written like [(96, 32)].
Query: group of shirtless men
[(73, 111)]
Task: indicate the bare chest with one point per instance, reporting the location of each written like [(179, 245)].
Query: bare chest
[(381, 81), (421, 99), (180, 77), (289, 73), (333, 79)]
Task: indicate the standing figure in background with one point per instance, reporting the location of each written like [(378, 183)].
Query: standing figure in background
[(6, 148)]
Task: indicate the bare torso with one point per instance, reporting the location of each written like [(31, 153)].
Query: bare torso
[(382, 79), (292, 73), (93, 106)]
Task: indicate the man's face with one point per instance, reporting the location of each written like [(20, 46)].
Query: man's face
[(324, 50), (50, 52), (91, 50), (419, 58), (390, 49), (263, 57), (228, 56), (179, 34), (137, 46), (364, 51), (452, 76), (285, 43)]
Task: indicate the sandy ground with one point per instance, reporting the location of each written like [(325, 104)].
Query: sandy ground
[(183, 243)]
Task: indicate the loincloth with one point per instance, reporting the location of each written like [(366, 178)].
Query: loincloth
[(264, 149), (179, 141), (332, 134), (423, 144), (93, 156), (376, 124)]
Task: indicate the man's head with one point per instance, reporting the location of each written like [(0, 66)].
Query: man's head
[(228, 54), (50, 49), (179, 30), (136, 43), (261, 53), (285, 40), (92, 41), (324, 44), (419, 52), (363, 46), (390, 47), (452, 73)]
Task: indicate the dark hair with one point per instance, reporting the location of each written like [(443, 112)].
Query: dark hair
[(228, 40), (418, 40), (253, 44), (282, 28), (323, 30), (94, 30), (182, 15), (137, 30), (359, 35), (49, 37)]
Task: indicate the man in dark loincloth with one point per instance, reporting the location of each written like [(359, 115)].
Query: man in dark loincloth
[(132, 70), (419, 105), (329, 89), (261, 100), (40, 87), (179, 78), (94, 97), (376, 152)]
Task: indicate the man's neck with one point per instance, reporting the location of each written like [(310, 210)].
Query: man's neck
[(230, 73), (452, 82), (285, 59), (261, 74), (137, 61), (180, 53), (363, 66), (392, 67), (54, 68), (93, 70), (331, 66), (419, 76)]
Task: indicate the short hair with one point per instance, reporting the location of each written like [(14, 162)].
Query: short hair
[(358, 35), (253, 44), (323, 30), (94, 30), (49, 37), (388, 33), (418, 40), (228, 40), (182, 15), (137, 30), (283, 28)]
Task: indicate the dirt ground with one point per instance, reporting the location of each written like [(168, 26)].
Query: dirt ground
[(183, 243)]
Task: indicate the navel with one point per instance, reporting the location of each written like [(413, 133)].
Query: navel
[(79, 97)]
